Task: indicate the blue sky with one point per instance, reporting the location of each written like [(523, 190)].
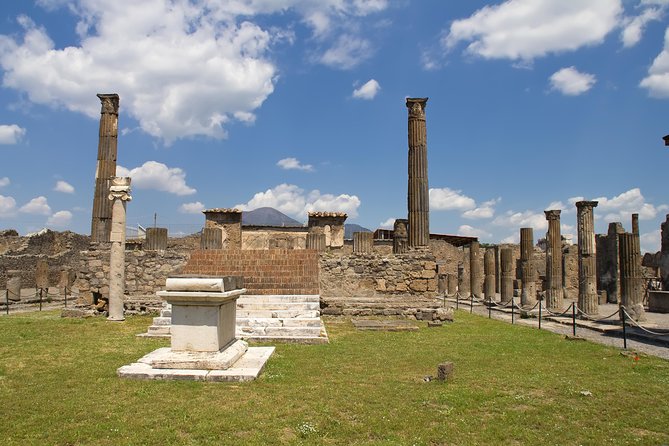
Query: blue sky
[(299, 105)]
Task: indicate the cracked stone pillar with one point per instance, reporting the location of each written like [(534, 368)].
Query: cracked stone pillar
[(14, 283), (664, 254), (528, 273), (489, 273), (587, 257), (119, 195), (156, 239), (106, 168), (506, 267), (631, 281), (475, 269), (42, 274), (363, 242), (554, 291), (418, 193), (316, 241), (211, 238), (452, 282), (461, 278), (400, 236)]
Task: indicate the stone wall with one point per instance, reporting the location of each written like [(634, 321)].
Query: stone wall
[(374, 274), (274, 238)]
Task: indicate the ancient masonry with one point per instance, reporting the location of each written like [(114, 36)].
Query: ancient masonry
[(119, 195), (489, 272), (475, 270), (631, 282), (418, 193), (400, 236), (106, 168), (587, 261), (554, 291), (528, 275), (506, 266)]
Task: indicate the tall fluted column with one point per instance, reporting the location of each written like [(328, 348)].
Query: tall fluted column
[(418, 193), (528, 272), (119, 195), (106, 168), (554, 291), (475, 269), (489, 272), (587, 257), (506, 267), (631, 282)]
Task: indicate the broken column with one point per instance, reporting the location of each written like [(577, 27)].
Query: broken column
[(528, 272), (631, 282), (42, 274), (156, 239), (506, 267), (608, 262), (554, 290), (211, 238), (400, 236), (587, 260), (363, 242), (316, 241), (418, 193), (489, 273), (106, 168), (461, 279), (14, 284), (229, 221), (331, 224), (67, 277), (452, 284), (119, 195), (474, 269)]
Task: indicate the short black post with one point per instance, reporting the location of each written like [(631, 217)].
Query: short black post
[(457, 300), (7, 302), (65, 289), (540, 314), (573, 318), (489, 308), (513, 310), (40, 299), (622, 313), (471, 303)]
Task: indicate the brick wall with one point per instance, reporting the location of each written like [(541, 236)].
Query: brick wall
[(265, 271)]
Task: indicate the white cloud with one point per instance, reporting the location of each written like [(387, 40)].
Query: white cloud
[(157, 176), (471, 231), (191, 208), (446, 199), (64, 187), (485, 210), (294, 164), (621, 207), (571, 82), (367, 91), (657, 81), (348, 52), (60, 219), (37, 205), (633, 27), (514, 238), (10, 134), (651, 241), (525, 219), (7, 206), (388, 224), (292, 200), (4, 181), (526, 29)]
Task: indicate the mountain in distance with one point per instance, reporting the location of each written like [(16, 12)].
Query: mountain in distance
[(268, 217), (350, 228)]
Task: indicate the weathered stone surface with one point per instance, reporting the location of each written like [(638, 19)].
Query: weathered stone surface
[(587, 257), (418, 194), (444, 371), (363, 242), (554, 291), (506, 267), (316, 241), (489, 272), (331, 224), (119, 194), (608, 261), (528, 272), (42, 274), (475, 270), (384, 324), (156, 239), (14, 285), (400, 236), (631, 283), (229, 221)]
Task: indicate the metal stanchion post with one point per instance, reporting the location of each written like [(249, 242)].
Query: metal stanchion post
[(540, 314), (7, 302), (471, 303), (40, 299), (65, 289), (457, 300), (513, 310), (573, 318), (622, 312), (489, 308)]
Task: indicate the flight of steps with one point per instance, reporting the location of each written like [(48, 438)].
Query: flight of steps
[(388, 305), (267, 318)]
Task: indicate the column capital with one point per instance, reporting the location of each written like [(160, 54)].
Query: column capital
[(553, 214), (586, 204), (416, 107), (119, 189), (109, 103)]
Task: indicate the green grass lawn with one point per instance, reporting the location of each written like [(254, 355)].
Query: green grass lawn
[(512, 385)]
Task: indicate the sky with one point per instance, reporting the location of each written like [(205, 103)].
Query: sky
[(300, 105)]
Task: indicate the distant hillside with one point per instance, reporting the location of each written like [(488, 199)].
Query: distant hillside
[(267, 217), (350, 228)]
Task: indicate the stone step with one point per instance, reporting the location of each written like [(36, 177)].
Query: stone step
[(311, 340), (166, 313), (311, 298), (158, 330), (279, 331), (162, 320), (278, 306), (279, 322), (296, 313)]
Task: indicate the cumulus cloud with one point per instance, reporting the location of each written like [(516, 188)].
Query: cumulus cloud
[(651, 241), (191, 208), (38, 205), (621, 207), (292, 200), (60, 219), (446, 199), (7, 206), (485, 210), (294, 164), (348, 52), (10, 134), (388, 224), (367, 91), (571, 82), (157, 176), (657, 81), (471, 231), (4, 181), (64, 187), (525, 219), (633, 27), (527, 29)]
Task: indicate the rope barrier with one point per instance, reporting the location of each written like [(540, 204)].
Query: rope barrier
[(590, 318), (556, 314), (636, 324)]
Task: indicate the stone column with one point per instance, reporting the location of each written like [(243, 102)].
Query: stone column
[(506, 266), (67, 277), (452, 284), (331, 224), (498, 275), (461, 278), (211, 238), (489, 272), (587, 260), (119, 195), (442, 284), (554, 292), (316, 241), (400, 236), (229, 221), (42, 274), (14, 284), (664, 254), (106, 168), (631, 282), (475, 269), (156, 239), (363, 242), (418, 193), (528, 273)]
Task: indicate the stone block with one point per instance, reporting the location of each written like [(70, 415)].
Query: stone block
[(444, 371)]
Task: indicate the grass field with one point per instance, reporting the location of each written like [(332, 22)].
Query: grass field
[(512, 385)]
